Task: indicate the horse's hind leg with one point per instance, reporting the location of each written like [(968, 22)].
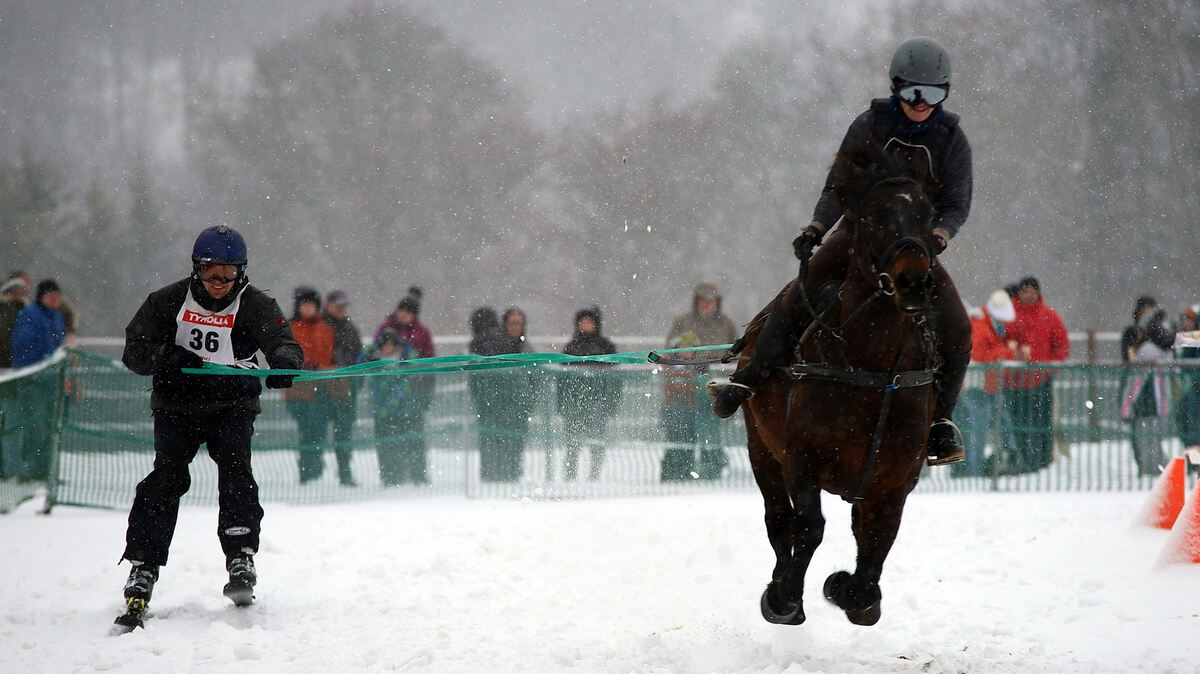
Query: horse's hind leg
[(876, 521)]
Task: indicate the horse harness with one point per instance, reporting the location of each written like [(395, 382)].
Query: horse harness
[(888, 382)]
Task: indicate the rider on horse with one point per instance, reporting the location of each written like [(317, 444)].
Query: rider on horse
[(911, 120)]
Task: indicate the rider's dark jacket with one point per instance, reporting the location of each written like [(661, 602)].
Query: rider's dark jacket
[(949, 154), (259, 325)]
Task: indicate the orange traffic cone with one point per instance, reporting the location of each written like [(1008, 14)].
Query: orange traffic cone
[(1183, 543), (1166, 497)]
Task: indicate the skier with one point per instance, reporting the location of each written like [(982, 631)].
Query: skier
[(913, 119), (214, 315)]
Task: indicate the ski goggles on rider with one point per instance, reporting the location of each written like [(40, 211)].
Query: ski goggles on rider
[(929, 94), (207, 274)]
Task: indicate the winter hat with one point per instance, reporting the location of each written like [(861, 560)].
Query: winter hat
[(483, 320), (999, 306), (46, 287), (706, 291), (412, 301), (338, 297), (1031, 282), (592, 312), (1143, 303), (11, 285), (305, 294)]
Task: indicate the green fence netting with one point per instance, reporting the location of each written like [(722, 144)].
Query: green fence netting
[(30, 414), (538, 428)]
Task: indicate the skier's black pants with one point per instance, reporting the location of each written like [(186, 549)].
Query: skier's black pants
[(177, 438)]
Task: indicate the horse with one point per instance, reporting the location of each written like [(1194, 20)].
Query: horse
[(852, 416)]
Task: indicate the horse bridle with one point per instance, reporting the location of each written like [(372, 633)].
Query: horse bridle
[(879, 261)]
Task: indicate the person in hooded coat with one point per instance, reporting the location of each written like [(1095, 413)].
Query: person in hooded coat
[(587, 396)]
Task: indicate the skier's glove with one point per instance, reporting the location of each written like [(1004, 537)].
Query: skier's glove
[(173, 358), (810, 237), (280, 380)]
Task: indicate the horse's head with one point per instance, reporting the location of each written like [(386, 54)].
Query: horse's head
[(888, 198)]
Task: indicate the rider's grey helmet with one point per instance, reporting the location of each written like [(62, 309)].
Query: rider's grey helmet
[(920, 60)]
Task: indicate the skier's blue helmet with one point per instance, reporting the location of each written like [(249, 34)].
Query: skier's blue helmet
[(220, 245)]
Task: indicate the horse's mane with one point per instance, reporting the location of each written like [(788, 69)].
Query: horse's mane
[(859, 168)]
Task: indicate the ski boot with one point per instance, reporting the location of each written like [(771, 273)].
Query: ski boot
[(138, 589), (242, 577)]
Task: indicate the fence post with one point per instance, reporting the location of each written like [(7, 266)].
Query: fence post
[(1093, 410)]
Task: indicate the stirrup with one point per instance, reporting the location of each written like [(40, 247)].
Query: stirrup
[(715, 387), (956, 454)]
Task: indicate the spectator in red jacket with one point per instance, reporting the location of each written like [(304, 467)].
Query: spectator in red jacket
[(977, 414), (1037, 335)]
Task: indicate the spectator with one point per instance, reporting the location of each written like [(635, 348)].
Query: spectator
[(12, 301), (405, 320), (513, 413), (685, 428), (214, 315), (1189, 319), (311, 403), (26, 282), (40, 327), (1145, 389), (1037, 335), (515, 323), (487, 393), (705, 320), (977, 411), (397, 412), (39, 331), (347, 350), (588, 394), (679, 417)]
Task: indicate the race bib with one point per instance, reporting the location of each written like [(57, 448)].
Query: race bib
[(208, 334)]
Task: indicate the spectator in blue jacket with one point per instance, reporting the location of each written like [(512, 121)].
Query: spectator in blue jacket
[(40, 327), (39, 331)]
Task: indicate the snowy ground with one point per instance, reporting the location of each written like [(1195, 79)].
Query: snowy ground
[(976, 583)]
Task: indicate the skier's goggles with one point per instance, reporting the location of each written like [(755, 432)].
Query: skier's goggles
[(210, 276), (929, 94)]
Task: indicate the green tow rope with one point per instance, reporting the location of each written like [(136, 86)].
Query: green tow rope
[(440, 364)]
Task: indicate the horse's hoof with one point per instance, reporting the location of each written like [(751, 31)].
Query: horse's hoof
[(834, 591), (834, 584), (867, 616), (795, 617)]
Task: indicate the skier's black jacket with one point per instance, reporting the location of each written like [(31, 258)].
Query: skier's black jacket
[(259, 325), (949, 152)]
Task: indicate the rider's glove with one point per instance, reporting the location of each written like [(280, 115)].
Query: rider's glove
[(279, 380), (942, 238), (810, 237), (172, 358)]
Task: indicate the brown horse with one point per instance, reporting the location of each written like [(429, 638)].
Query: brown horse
[(852, 414)]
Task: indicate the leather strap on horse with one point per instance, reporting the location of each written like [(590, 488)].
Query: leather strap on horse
[(880, 380)]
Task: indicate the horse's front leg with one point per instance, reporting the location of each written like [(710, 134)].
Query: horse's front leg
[(778, 515), (876, 521), (783, 600)]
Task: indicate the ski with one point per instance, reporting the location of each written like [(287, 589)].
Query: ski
[(132, 618)]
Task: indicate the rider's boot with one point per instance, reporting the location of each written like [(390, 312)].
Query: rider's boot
[(770, 352), (944, 446)]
